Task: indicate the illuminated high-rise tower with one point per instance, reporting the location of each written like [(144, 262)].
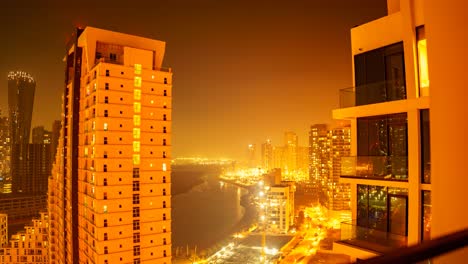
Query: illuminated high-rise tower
[(21, 88), (267, 155), (109, 193), (290, 144)]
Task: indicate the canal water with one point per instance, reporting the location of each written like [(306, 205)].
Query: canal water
[(207, 213)]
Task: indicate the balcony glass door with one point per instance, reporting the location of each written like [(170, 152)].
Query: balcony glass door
[(398, 214)]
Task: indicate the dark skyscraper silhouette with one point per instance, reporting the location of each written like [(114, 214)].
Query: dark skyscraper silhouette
[(21, 88)]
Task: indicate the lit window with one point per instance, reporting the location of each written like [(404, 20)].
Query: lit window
[(422, 61), (136, 120), (104, 208), (86, 152), (164, 167), (136, 107), (94, 125), (105, 126), (136, 159), (136, 133), (137, 68), (137, 81), (136, 146), (137, 94), (152, 77)]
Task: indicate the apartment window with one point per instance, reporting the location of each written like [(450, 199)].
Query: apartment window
[(136, 250), (164, 241), (105, 154), (165, 80), (164, 130), (105, 236), (422, 61), (136, 237), (136, 172), (136, 224), (136, 261), (136, 120), (382, 147), (94, 101), (105, 195), (164, 167), (138, 68), (136, 133), (105, 182), (164, 217), (164, 154), (136, 199), (105, 222), (426, 215), (106, 126), (137, 94), (164, 253), (137, 81), (98, 55), (106, 85), (164, 229), (164, 106), (105, 140), (106, 113), (136, 186), (165, 92), (425, 146), (107, 73), (104, 168), (104, 208), (164, 204), (164, 179), (136, 211), (164, 117), (136, 159), (136, 146), (383, 208), (137, 107), (164, 192), (113, 57), (106, 251), (380, 75), (164, 142), (106, 100)]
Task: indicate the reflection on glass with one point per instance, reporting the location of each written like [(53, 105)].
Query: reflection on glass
[(427, 215), (425, 147), (398, 214), (362, 205), (378, 208)]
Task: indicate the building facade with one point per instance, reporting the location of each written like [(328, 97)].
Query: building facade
[(389, 166), (21, 89), (3, 230), (110, 193), (29, 246), (5, 155), (280, 207), (339, 194), (267, 156)]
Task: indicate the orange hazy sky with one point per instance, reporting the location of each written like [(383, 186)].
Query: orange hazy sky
[(244, 71)]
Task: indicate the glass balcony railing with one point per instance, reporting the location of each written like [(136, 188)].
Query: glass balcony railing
[(375, 167), (372, 93), (372, 239)]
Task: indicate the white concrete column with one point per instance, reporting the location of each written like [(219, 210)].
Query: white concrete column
[(447, 42), (414, 178)]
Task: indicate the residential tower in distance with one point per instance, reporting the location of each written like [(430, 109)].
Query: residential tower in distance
[(110, 193)]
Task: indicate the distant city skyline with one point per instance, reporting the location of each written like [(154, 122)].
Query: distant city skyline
[(246, 71)]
